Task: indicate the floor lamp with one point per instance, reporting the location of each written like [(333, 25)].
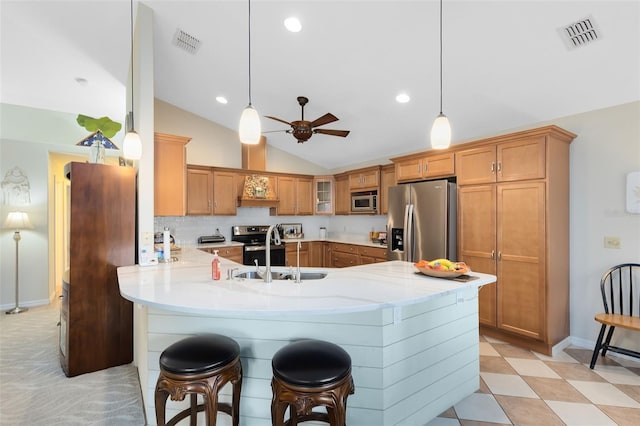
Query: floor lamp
[(17, 221)]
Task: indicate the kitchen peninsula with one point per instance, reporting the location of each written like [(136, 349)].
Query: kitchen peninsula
[(413, 339)]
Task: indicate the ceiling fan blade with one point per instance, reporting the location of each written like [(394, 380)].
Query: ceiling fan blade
[(325, 119), (341, 133), (278, 131), (278, 119)]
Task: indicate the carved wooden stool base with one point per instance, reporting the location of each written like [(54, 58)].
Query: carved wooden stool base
[(301, 400)]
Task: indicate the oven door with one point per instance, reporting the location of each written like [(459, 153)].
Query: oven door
[(251, 253)]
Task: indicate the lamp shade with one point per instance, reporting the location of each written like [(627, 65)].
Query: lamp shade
[(18, 220), (132, 146), (250, 129), (441, 132)]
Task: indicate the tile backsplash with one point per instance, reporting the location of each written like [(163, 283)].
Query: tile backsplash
[(187, 229)]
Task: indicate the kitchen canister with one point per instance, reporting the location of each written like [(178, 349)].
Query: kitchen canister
[(323, 232)]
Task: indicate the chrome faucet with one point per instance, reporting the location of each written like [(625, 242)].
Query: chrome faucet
[(276, 239), (298, 262)]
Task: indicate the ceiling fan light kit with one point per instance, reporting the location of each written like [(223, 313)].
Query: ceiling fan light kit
[(302, 129), (441, 129), (249, 129)]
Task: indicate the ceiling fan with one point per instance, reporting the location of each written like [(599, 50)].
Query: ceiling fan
[(302, 130)]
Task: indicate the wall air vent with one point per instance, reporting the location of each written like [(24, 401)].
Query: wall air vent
[(580, 33), (186, 41)]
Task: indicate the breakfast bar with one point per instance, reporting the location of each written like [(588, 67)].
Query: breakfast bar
[(413, 339)]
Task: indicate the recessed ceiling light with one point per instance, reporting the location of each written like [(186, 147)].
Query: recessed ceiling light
[(293, 24), (403, 98), (81, 81), (221, 99)]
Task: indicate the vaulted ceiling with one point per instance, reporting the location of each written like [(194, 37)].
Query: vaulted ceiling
[(506, 64)]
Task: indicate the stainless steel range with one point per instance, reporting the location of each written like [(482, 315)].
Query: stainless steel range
[(254, 239)]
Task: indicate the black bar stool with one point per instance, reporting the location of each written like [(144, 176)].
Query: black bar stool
[(200, 364), (307, 374)]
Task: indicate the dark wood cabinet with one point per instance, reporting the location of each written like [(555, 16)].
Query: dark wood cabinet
[(96, 321)]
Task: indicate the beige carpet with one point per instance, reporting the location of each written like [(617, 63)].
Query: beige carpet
[(34, 390)]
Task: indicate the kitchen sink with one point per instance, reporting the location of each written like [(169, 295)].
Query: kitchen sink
[(280, 276)]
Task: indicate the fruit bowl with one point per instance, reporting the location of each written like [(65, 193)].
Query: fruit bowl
[(424, 268)]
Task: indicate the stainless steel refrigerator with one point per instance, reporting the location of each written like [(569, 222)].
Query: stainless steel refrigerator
[(421, 223)]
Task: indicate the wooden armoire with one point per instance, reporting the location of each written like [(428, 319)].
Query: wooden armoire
[(96, 322)]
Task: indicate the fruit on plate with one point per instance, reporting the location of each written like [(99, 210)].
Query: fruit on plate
[(442, 265)]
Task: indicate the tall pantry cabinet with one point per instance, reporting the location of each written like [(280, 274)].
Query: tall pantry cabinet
[(513, 222), (96, 322)]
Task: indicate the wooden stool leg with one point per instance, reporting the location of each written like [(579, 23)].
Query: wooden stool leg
[(193, 417), (277, 412), (160, 403), (211, 406), (237, 387)]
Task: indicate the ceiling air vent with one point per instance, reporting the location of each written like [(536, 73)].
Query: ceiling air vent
[(186, 41), (580, 33)]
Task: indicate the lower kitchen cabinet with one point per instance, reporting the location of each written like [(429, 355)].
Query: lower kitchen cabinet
[(231, 253), (344, 255), (372, 254), (291, 252)]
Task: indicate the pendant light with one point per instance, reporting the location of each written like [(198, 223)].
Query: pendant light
[(250, 129), (441, 129), (132, 145)]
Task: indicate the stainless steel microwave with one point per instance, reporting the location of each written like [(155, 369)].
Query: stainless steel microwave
[(364, 202)]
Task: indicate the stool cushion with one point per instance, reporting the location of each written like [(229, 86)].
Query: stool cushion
[(311, 363), (199, 354)]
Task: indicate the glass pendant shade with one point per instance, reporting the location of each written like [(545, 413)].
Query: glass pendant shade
[(250, 129), (132, 146), (441, 132)]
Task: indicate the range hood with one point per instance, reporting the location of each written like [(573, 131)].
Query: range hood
[(258, 191)]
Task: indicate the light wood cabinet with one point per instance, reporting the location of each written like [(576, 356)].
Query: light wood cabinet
[(518, 230), (224, 193), (169, 162), (233, 253), (343, 195), (387, 180), (291, 253), (372, 254), (199, 191), (254, 157), (424, 167), (327, 255), (316, 253), (367, 179), (343, 255), (515, 160), (210, 191), (323, 187), (295, 196)]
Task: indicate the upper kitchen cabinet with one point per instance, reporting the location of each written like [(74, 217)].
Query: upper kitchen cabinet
[(324, 197), (254, 157), (424, 166), (210, 191), (170, 160), (367, 179), (513, 160), (343, 195), (199, 190), (295, 195), (387, 179)]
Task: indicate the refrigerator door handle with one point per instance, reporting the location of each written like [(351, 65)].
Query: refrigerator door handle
[(409, 249), (405, 241)]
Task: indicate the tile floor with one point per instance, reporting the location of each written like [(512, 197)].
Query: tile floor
[(520, 387)]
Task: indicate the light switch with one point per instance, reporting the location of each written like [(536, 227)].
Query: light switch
[(612, 242)]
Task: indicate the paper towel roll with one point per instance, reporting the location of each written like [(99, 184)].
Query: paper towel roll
[(166, 244)]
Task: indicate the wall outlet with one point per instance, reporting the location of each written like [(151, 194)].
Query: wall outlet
[(612, 242)]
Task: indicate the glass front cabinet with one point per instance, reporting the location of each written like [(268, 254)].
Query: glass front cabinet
[(324, 195)]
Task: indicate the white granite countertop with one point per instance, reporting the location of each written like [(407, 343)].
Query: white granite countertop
[(186, 286)]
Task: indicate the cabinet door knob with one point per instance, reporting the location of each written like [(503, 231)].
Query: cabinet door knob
[(499, 166), (493, 254), (493, 167), (499, 256)]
